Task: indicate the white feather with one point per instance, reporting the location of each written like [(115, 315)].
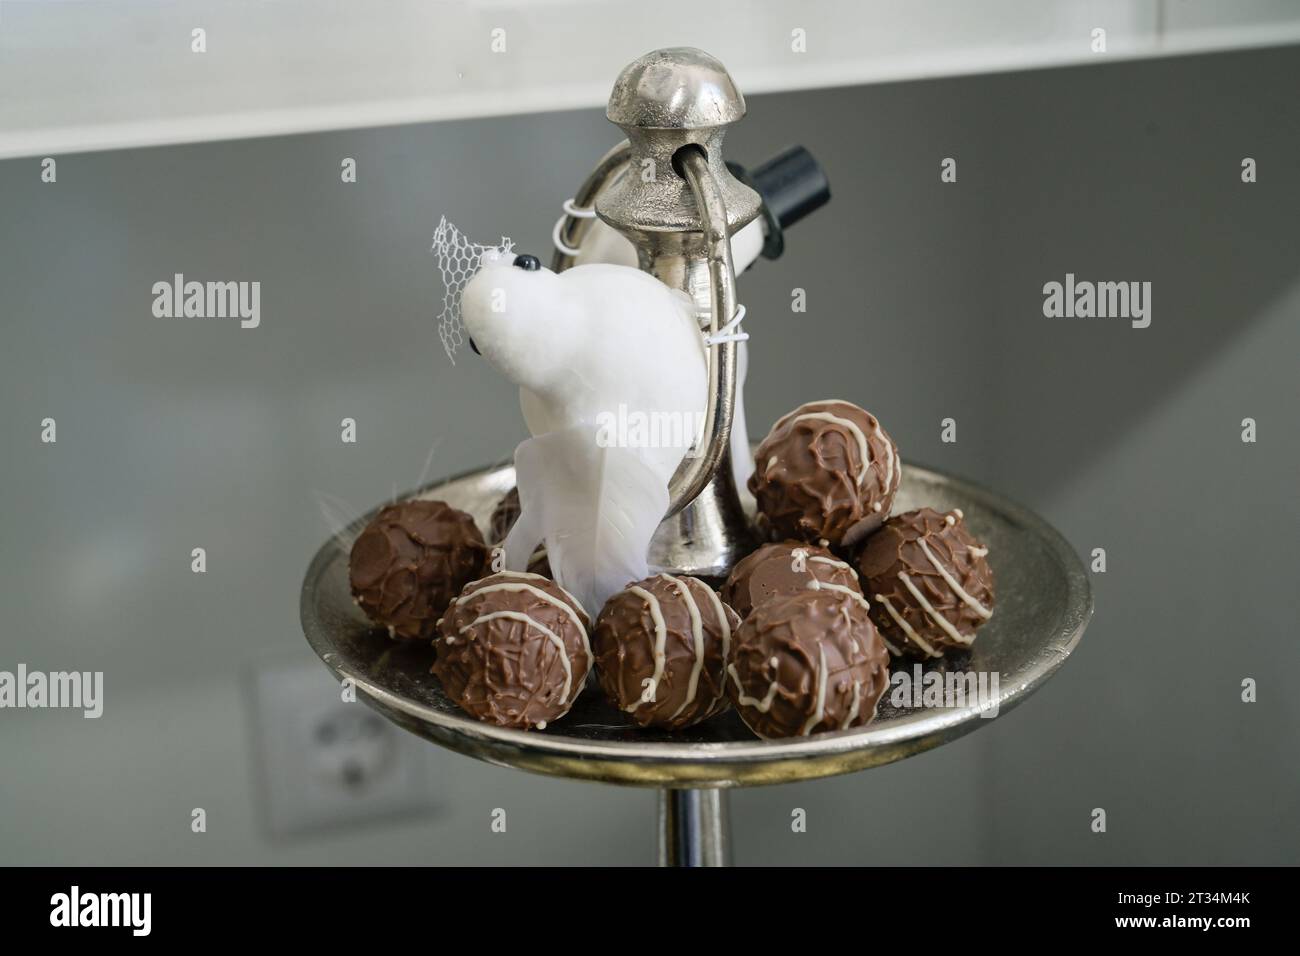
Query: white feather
[(587, 346)]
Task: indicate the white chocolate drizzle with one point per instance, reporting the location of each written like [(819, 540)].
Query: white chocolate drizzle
[(519, 586), (957, 589), (528, 576), (725, 625), (833, 562), (815, 585), (551, 635), (723, 622), (934, 615), (847, 722), (978, 552), (863, 449), (651, 683), (529, 589), (800, 415), (762, 706), (854, 595), (907, 629), (819, 711), (697, 638), (889, 458)]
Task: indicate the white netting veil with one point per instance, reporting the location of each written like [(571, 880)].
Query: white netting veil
[(458, 260)]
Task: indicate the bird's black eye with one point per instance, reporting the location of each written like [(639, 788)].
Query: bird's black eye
[(528, 263)]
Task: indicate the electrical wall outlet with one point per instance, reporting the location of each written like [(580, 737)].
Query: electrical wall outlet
[(325, 762)]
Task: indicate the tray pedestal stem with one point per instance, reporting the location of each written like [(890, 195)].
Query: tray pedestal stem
[(693, 828)]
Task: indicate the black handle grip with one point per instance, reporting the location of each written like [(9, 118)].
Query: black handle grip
[(792, 185)]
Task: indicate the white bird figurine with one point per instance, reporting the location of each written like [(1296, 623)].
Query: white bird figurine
[(613, 384)]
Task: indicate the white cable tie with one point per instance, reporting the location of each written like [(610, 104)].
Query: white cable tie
[(729, 332), (579, 212), (559, 243)]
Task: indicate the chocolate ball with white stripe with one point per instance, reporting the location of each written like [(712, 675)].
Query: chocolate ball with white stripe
[(661, 651), (808, 663), (784, 568), (929, 582), (513, 650), (827, 472)]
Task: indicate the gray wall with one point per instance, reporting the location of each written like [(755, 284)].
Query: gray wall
[(924, 302)]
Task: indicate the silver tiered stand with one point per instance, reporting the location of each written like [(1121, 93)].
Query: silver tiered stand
[(674, 106)]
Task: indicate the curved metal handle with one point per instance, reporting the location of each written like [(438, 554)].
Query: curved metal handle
[(694, 473), (572, 228)]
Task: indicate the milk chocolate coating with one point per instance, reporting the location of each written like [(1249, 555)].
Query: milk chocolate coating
[(504, 516), (775, 571), (513, 650), (410, 561), (689, 652), (806, 664), (899, 555), (810, 478)]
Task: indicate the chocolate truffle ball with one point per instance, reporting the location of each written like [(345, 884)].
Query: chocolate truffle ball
[(827, 472), (410, 561), (784, 568), (928, 581), (661, 651), (513, 650), (807, 663)]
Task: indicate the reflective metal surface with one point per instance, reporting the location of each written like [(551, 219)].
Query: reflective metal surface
[(663, 101), (1043, 605), (714, 533), (693, 828), (679, 204), (573, 228)]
